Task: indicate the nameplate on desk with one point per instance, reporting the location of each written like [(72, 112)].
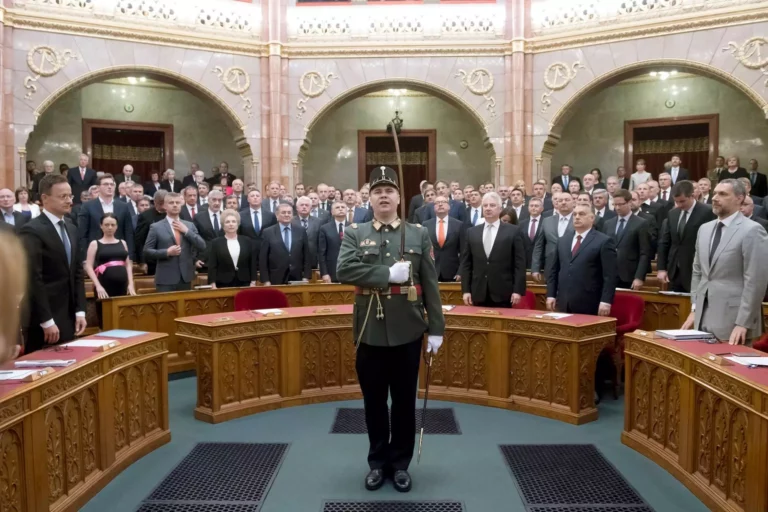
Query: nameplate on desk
[(221, 319), (99, 345), (268, 312), (487, 312), (716, 359), (325, 310), (12, 376)]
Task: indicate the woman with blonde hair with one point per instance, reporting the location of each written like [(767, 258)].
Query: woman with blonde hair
[(232, 258), (13, 283)]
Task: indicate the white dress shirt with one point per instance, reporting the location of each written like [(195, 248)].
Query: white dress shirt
[(211, 213), (626, 221), (669, 194), (55, 221), (674, 172), (600, 213), (562, 223), (189, 209), (107, 207), (8, 216), (518, 210), (234, 250), (494, 228), (258, 215), (33, 208), (726, 222), (479, 215)]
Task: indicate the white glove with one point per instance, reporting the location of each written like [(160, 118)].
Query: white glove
[(433, 344), (400, 272)]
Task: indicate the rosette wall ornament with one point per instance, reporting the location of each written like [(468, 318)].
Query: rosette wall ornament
[(44, 61), (236, 81), (312, 84), (749, 54), (557, 77), (479, 81)]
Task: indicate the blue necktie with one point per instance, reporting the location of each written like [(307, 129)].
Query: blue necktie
[(620, 229), (474, 218), (256, 226), (65, 240), (216, 223), (565, 182), (287, 238)]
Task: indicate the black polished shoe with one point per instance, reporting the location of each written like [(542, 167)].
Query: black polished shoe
[(402, 481), (374, 479)]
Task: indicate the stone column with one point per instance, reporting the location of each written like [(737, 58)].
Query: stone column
[(275, 162), (518, 141), (8, 157)]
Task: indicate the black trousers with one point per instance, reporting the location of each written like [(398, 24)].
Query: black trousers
[(180, 287), (383, 371), (490, 303), (676, 284)]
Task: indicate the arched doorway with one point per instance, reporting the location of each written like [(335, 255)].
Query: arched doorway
[(199, 99), (664, 105), (454, 136)]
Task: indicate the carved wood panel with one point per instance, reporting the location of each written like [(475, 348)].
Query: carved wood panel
[(722, 445), (193, 307), (540, 372), (672, 435), (248, 369), (72, 443), (137, 402), (327, 359), (154, 317), (12, 481), (331, 298), (295, 299), (520, 357), (204, 375), (462, 362), (640, 401), (661, 316), (451, 298), (587, 358), (560, 381)]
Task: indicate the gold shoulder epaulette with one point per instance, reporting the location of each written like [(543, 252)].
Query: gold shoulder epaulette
[(353, 225), (418, 225)]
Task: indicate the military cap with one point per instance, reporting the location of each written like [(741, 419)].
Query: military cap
[(381, 176)]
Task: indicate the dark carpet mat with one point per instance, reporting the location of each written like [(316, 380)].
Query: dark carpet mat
[(393, 506), (569, 477), (439, 421), (220, 477)]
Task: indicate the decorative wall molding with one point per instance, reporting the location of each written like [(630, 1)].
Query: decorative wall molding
[(479, 81), (312, 84), (416, 22), (557, 77), (236, 81), (749, 54), (44, 61)]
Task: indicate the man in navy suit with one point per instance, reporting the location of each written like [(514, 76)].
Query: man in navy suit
[(89, 218), (356, 214), (9, 219), (447, 236), (329, 242), (565, 177), (81, 178), (583, 276), (255, 218), (284, 252), (531, 227)]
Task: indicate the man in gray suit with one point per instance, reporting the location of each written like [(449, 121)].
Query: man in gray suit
[(310, 224), (175, 245), (729, 277), (552, 228)]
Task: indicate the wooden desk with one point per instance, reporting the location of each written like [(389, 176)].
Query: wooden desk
[(248, 363), (65, 436), (704, 423)]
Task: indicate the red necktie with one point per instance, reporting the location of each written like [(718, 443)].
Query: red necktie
[(82, 174), (576, 247), (193, 213), (664, 195), (441, 233), (532, 234)]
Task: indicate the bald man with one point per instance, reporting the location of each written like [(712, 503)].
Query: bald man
[(81, 177), (125, 177), (9, 219)]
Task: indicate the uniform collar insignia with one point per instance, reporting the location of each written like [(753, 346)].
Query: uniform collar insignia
[(377, 225)]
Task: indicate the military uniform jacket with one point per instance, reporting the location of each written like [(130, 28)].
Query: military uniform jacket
[(367, 251)]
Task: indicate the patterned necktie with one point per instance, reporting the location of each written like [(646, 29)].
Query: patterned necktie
[(274, 206), (578, 244), (304, 223), (341, 230)]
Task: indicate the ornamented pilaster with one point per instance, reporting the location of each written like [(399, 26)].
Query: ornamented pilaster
[(236, 81), (44, 61)]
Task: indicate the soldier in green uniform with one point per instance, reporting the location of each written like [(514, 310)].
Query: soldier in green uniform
[(389, 325)]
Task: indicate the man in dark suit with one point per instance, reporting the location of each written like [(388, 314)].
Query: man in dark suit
[(447, 236), (552, 228), (255, 219), (321, 214), (531, 227), (632, 240), (238, 191), (56, 296), (191, 178), (153, 185), (517, 203), (623, 179), (272, 201), (705, 191), (565, 177), (9, 219), (146, 219), (676, 172), (81, 178), (126, 176), (758, 180), (540, 191), (583, 276), (747, 210), (324, 203), (136, 192), (170, 183), (284, 253), (493, 260), (89, 218), (310, 224), (600, 201), (216, 178), (356, 214), (175, 245), (759, 210), (190, 209), (657, 209), (208, 224), (417, 201), (677, 244), (48, 168), (329, 242)]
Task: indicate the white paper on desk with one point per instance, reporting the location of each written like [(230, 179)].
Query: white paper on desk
[(269, 311), (298, 282), (448, 308), (89, 343), (681, 294), (15, 374), (683, 333), (43, 363), (556, 316), (746, 361)]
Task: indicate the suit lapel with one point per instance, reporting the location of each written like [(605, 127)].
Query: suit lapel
[(502, 231), (726, 238), (54, 236), (584, 243)]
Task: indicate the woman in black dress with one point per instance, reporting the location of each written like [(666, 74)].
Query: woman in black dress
[(734, 170), (233, 259), (107, 262)]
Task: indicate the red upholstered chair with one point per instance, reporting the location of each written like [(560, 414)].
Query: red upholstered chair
[(762, 343), (527, 302), (627, 309), (260, 298)]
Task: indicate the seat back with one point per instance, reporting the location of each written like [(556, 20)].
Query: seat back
[(527, 302), (260, 298), (627, 309)]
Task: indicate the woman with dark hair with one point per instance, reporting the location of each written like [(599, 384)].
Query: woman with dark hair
[(508, 216), (598, 178), (27, 209), (107, 262)]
